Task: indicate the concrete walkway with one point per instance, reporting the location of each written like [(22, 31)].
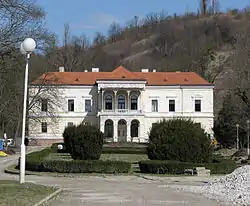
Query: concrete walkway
[(118, 190)]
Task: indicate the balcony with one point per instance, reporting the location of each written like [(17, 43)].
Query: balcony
[(121, 112)]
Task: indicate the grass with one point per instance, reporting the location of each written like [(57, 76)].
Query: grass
[(15, 194), (132, 158)]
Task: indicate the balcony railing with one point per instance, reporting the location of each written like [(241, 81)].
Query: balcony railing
[(121, 111)]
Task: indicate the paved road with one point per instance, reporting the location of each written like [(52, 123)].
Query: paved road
[(117, 190)]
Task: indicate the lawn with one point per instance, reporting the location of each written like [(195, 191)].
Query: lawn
[(12, 193), (132, 158)]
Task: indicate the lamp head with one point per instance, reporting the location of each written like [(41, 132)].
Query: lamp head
[(22, 49), (29, 45)]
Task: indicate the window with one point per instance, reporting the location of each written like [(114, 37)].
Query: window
[(44, 127), (108, 102), (88, 105), (171, 105), (154, 105), (197, 106), (71, 105), (134, 100), (44, 106), (87, 123), (154, 124), (134, 128), (121, 102), (70, 124), (198, 124)]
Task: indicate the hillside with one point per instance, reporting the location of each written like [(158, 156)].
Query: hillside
[(216, 47)]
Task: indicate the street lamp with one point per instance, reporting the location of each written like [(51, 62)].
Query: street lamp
[(237, 136), (248, 122), (26, 48)]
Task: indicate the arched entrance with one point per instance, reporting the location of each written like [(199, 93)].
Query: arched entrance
[(122, 130), (134, 128), (109, 129)]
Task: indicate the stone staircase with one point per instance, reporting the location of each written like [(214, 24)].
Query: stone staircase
[(198, 171), (201, 171)]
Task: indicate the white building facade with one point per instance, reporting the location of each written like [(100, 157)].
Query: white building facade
[(124, 105)]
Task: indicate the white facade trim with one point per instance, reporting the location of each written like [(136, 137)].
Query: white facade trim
[(184, 97)]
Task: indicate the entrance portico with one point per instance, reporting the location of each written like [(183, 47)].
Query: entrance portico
[(117, 129)]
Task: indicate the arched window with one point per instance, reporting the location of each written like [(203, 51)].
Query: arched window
[(134, 102), (108, 102), (134, 128), (121, 102), (109, 128)]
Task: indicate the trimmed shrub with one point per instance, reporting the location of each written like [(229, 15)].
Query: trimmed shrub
[(36, 162), (88, 166), (123, 150), (69, 133), (179, 140), (84, 142), (106, 150), (176, 167)]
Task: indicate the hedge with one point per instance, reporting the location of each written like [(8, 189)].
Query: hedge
[(176, 167), (36, 162), (79, 166), (108, 150), (123, 150)]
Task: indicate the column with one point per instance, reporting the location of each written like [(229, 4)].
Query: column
[(115, 139), (99, 100), (128, 102), (102, 101), (102, 124), (142, 106), (114, 107), (128, 131)]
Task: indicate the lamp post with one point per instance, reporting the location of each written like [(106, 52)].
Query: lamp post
[(237, 136), (27, 46), (248, 122)]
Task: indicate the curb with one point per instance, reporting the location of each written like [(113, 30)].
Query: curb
[(48, 197), (16, 172)]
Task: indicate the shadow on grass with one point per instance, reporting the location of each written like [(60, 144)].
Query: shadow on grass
[(15, 194)]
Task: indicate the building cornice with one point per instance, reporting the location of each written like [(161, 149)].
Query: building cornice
[(179, 86)]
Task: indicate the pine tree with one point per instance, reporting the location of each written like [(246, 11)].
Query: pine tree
[(225, 125)]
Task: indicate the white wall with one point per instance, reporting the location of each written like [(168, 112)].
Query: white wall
[(189, 95), (60, 118), (162, 94)]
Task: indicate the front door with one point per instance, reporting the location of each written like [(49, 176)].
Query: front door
[(122, 131)]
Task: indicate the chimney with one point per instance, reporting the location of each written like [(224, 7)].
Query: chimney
[(61, 69), (95, 69), (154, 70), (144, 70), (85, 70)]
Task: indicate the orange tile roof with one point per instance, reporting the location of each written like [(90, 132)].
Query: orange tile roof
[(120, 73)]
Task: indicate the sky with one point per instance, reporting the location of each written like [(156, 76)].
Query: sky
[(89, 16)]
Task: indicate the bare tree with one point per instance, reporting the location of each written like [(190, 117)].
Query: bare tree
[(72, 54), (113, 32), (99, 39), (19, 19), (45, 102)]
